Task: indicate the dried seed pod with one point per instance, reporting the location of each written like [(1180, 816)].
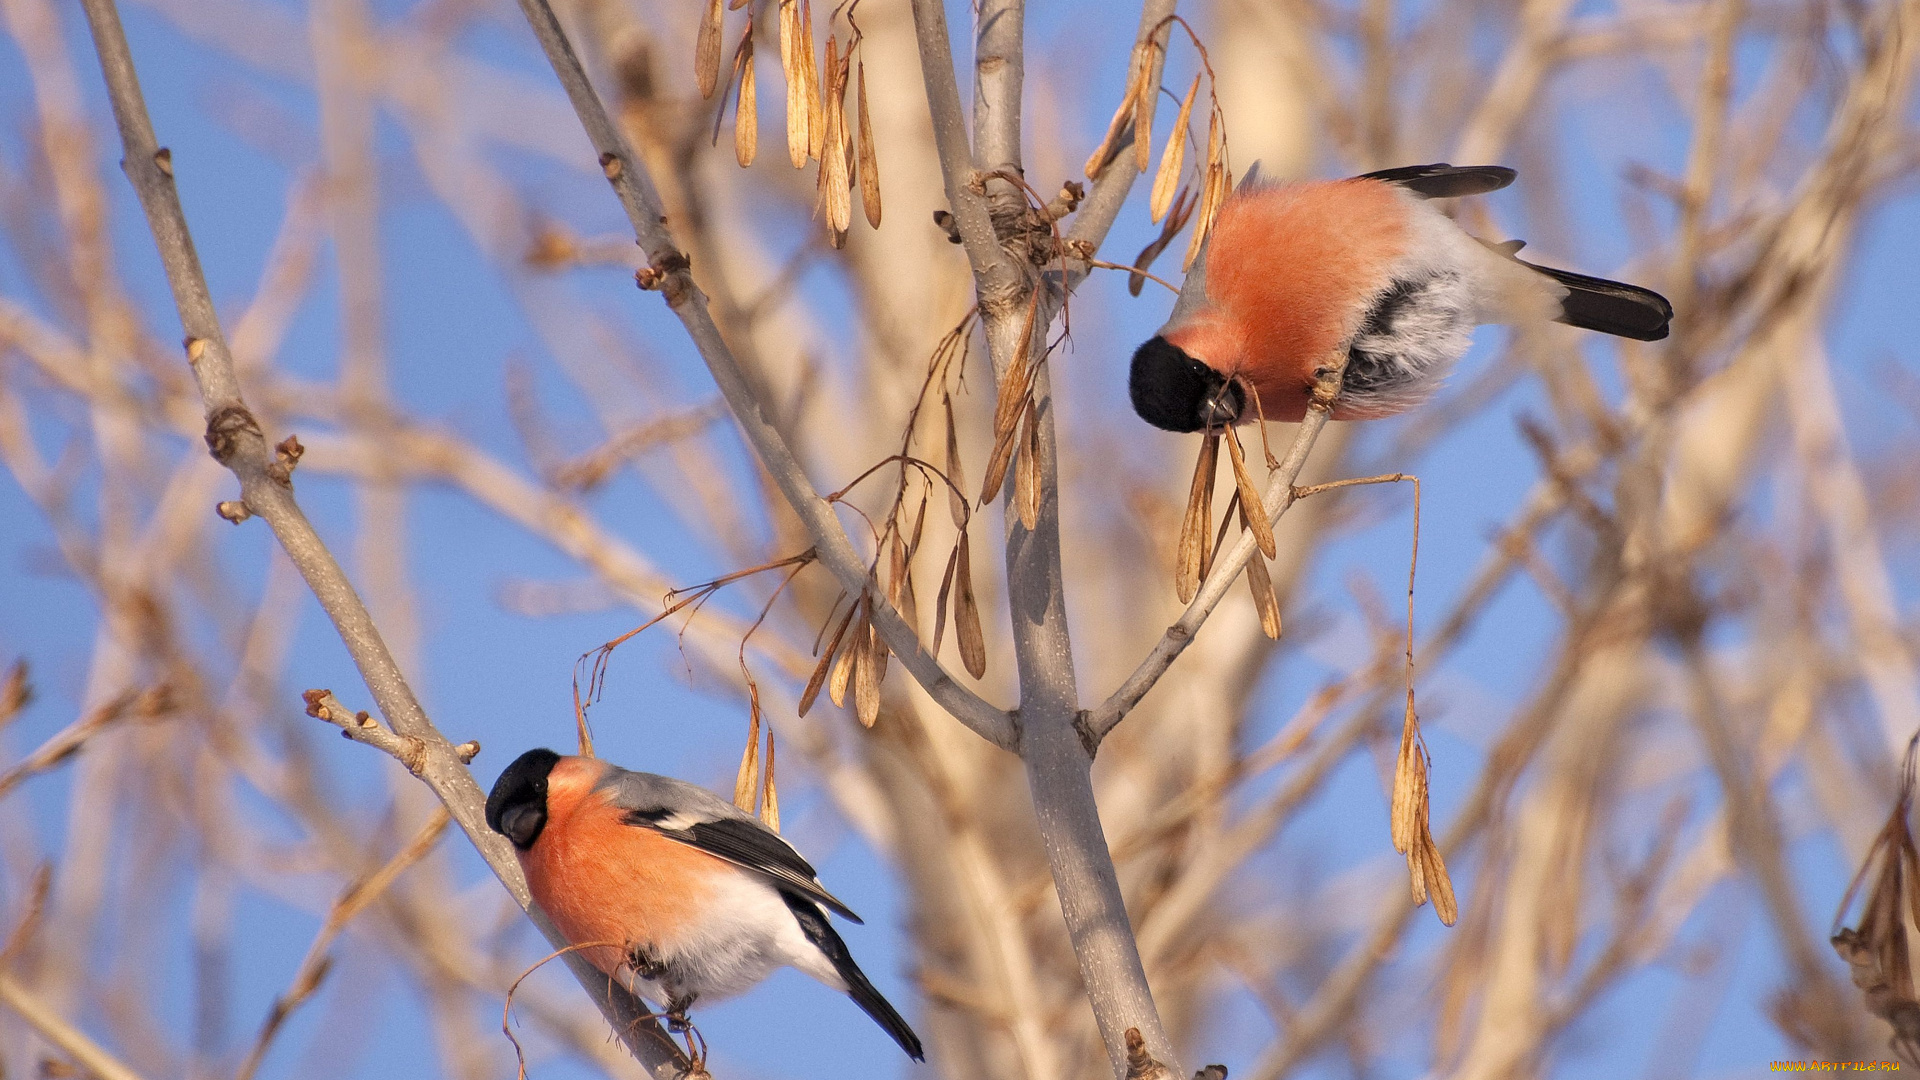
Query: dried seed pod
[(747, 781), (900, 575), (957, 479), (909, 602), (1173, 157), (849, 656), (919, 523), (1143, 104), (1213, 189), (876, 659), (1010, 405), (1026, 481), (940, 603), (1261, 584), (746, 115), (869, 158), (1409, 785), (820, 670), (1191, 557), (896, 566), (816, 112), (706, 49), (1003, 447), (795, 71), (835, 184), (966, 616), (1122, 116), (1218, 172), (867, 672), (1256, 513), (1444, 904), (770, 795), (1176, 220)]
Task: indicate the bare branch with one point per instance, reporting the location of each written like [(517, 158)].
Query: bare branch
[(64, 743), (1280, 495), (1056, 755), (669, 271), (236, 440), (998, 279), (55, 1029), (351, 902)]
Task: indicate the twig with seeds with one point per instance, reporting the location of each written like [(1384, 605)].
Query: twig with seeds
[(1280, 495), (1017, 311), (235, 437), (673, 277)]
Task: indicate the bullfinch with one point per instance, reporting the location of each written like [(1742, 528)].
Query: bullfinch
[(704, 900), (1297, 275)]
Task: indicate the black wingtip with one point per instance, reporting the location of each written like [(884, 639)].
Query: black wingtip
[(1443, 181), (1610, 307)]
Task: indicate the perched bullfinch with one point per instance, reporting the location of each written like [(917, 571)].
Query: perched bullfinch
[(704, 900), (1296, 275)]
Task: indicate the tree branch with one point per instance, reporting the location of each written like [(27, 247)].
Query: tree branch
[(1000, 281), (1059, 767), (670, 273), (54, 1028), (1279, 497), (236, 440)]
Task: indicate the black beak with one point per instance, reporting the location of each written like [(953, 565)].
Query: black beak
[(523, 823), (1224, 406)]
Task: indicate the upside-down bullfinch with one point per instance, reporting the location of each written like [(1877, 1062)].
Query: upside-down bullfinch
[(1298, 275), (703, 900)]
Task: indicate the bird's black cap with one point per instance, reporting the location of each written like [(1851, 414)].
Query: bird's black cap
[(517, 808), (1174, 392)]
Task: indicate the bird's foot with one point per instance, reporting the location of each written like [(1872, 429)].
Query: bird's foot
[(645, 964), (676, 1013), (679, 1024)]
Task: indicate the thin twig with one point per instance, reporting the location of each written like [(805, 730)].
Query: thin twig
[(669, 272), (351, 902), (237, 441), (64, 743), (1279, 496), (53, 1027)]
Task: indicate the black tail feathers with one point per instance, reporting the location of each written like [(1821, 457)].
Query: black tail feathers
[(1611, 307), (871, 1003), (813, 923)]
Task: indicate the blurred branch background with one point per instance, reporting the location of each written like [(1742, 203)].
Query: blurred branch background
[(1663, 652)]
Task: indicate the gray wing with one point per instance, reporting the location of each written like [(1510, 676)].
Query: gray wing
[(692, 815)]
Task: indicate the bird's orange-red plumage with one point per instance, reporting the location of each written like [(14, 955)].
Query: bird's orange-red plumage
[(1366, 276), (1288, 272), (600, 879), (670, 890)]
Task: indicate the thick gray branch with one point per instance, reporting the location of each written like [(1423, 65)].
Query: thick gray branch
[(234, 436), (1059, 767), (998, 278), (671, 274)]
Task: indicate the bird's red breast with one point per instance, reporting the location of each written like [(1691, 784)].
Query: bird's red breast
[(600, 879), (1290, 272)]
